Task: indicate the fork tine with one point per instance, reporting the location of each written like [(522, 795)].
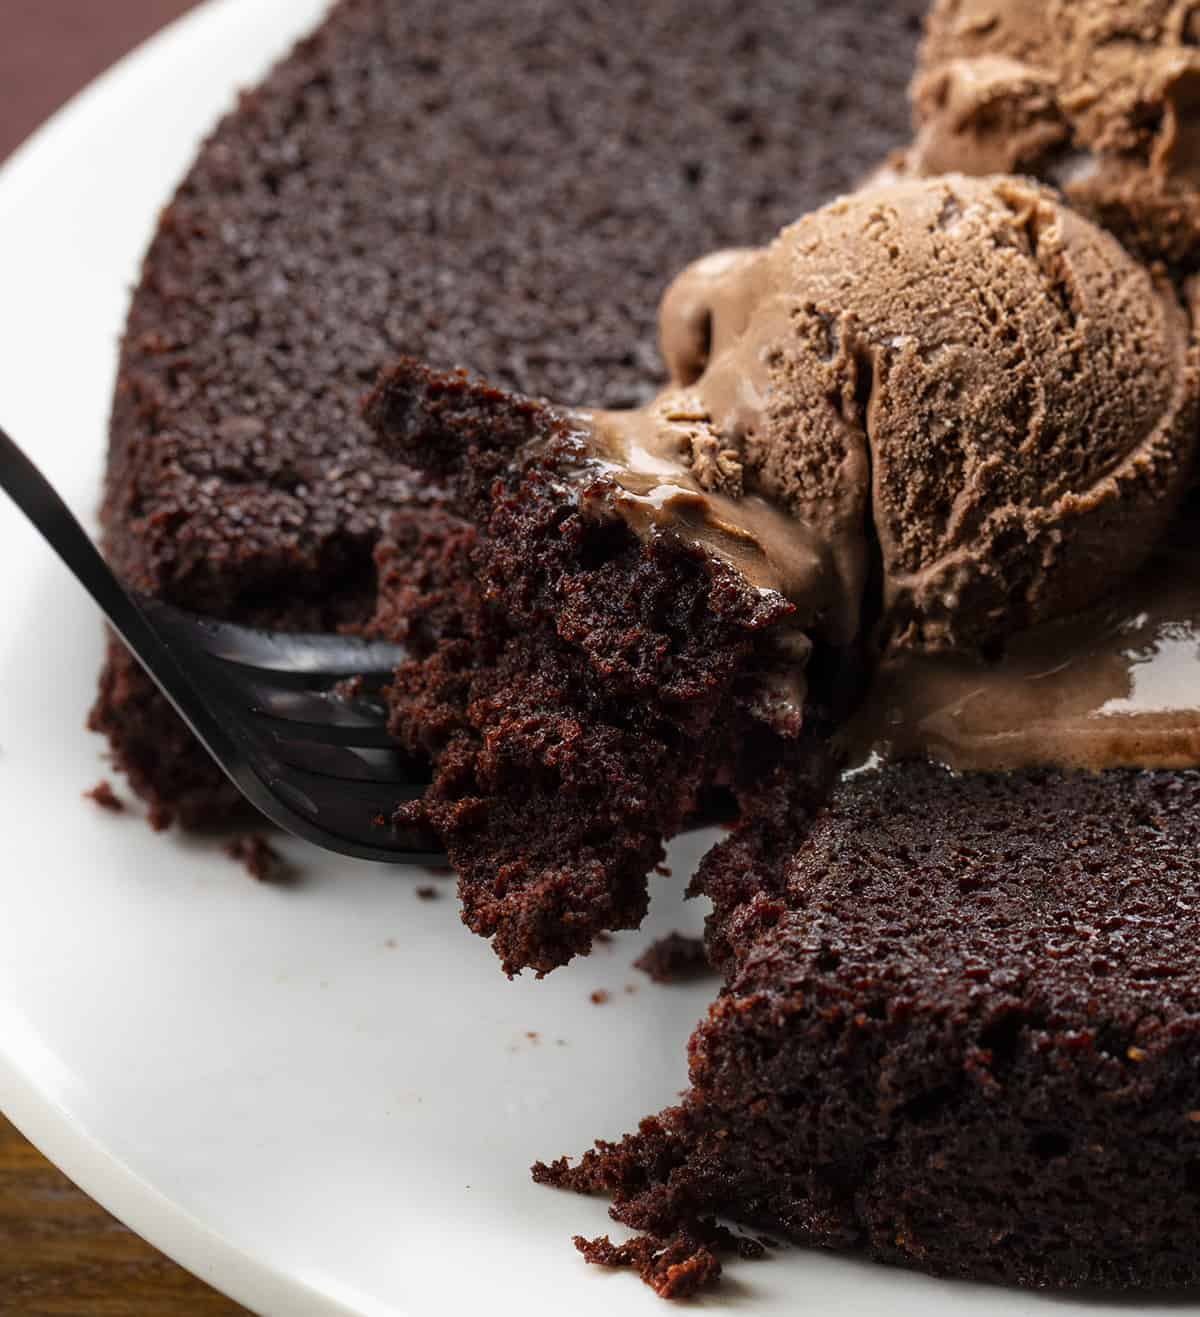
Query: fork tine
[(349, 763), (361, 826), (333, 733), (312, 715), (285, 653), (314, 791)]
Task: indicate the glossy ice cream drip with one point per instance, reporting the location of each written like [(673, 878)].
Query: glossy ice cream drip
[(1115, 686), (657, 479)]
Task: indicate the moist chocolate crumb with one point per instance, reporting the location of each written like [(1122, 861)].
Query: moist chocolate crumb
[(675, 958), (546, 711), (603, 939), (427, 893), (159, 816), (674, 1268), (261, 860), (104, 796), (599, 997), (676, 1261)]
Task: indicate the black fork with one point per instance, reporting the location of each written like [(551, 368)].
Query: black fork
[(296, 721)]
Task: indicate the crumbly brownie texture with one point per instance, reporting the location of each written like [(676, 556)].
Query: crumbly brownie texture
[(590, 687), (961, 1032), (675, 958), (260, 859), (105, 797), (511, 193), (675, 1268)]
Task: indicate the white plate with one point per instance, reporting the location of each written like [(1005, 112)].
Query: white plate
[(323, 1100)]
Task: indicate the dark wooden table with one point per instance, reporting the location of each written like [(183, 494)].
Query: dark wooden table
[(60, 1254)]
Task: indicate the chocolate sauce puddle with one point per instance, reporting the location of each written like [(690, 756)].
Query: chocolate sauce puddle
[(1115, 687)]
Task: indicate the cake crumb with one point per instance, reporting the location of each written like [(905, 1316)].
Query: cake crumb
[(260, 859), (603, 939), (533, 1035), (675, 958), (663, 870), (600, 996), (104, 796), (427, 893), (674, 1268), (350, 688), (676, 1263), (160, 817)]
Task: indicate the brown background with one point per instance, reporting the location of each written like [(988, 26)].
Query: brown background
[(60, 1254)]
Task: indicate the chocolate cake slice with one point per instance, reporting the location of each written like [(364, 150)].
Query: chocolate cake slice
[(509, 193), (960, 1032), (593, 687)]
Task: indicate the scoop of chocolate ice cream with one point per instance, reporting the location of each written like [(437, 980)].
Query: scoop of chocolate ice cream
[(958, 378), (1099, 97)]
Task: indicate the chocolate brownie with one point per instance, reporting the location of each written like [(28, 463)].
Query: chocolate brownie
[(511, 193), (592, 687), (959, 1033)]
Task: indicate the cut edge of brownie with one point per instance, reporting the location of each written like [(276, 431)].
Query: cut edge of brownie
[(959, 1033), (593, 685)]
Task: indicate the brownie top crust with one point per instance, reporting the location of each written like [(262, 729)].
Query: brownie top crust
[(1043, 893)]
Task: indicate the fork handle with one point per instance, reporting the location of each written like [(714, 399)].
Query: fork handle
[(41, 503), (37, 498)]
